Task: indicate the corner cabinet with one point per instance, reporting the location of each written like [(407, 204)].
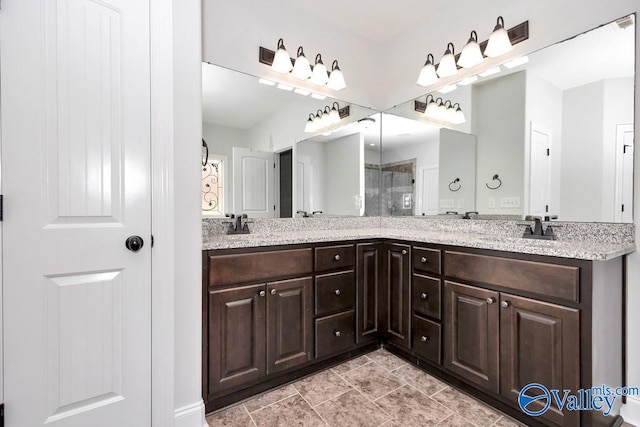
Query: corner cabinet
[(396, 297)]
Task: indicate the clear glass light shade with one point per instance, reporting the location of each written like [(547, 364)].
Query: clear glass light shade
[(319, 75), (301, 68), (281, 61), (471, 54), (428, 74), (336, 80), (499, 42), (447, 66)]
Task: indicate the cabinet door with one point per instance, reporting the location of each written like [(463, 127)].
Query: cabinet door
[(236, 337), (539, 343), (289, 323), (471, 338), (369, 257), (397, 276)]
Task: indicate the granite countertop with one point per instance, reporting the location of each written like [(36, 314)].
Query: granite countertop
[(588, 250)]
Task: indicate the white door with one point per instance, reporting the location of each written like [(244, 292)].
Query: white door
[(253, 183), (304, 200), (74, 82), (539, 180), (624, 174), (429, 192)]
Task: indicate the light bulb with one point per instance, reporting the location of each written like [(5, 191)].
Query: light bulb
[(336, 78), (428, 74), (281, 60), (499, 42), (471, 55), (447, 66), (319, 75), (301, 68)]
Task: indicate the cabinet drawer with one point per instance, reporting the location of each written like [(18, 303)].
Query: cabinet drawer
[(552, 280), (334, 292), (335, 257), (426, 339), (334, 334), (426, 296), (258, 266), (426, 260)]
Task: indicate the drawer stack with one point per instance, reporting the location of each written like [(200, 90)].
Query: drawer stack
[(334, 299), (426, 289)]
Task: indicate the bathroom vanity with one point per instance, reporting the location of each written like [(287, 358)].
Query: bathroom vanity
[(487, 321)]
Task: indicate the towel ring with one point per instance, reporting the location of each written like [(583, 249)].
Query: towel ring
[(495, 178), (205, 158), (455, 181)]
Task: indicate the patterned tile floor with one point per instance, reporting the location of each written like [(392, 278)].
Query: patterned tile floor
[(378, 389)]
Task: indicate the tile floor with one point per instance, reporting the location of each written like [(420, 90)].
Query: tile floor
[(378, 389)]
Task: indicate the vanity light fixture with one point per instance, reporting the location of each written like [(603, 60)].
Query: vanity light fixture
[(336, 78), (301, 67), (499, 42), (310, 126), (325, 120), (281, 60), (319, 75), (471, 55), (439, 110), (334, 115), (431, 107), (516, 62), (428, 74), (447, 66), (458, 116)]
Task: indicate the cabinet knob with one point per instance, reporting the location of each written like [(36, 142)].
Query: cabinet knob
[(491, 300), (336, 333), (262, 293), (505, 304), (273, 292), (423, 259), (404, 252), (337, 257), (337, 292), (424, 295), (424, 338)]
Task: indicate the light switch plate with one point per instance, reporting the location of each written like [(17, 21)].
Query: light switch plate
[(447, 203), (492, 203), (510, 202)]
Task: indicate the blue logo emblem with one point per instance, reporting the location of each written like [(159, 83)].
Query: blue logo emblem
[(538, 393)]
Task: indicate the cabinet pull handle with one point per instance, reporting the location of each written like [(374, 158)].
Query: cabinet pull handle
[(424, 295), (505, 304), (337, 257), (262, 293), (491, 300), (273, 292), (404, 252), (423, 259), (337, 292), (424, 338), (336, 333)]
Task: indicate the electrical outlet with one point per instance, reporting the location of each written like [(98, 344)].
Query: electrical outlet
[(460, 203), (447, 203), (492, 203), (510, 202)]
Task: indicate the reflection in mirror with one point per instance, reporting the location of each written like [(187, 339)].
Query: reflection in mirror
[(337, 173), (553, 134), (249, 131)]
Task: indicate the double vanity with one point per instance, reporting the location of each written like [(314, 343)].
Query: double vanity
[(468, 301)]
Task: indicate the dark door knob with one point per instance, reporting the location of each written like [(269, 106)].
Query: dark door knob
[(134, 243)]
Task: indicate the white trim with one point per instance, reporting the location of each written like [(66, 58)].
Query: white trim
[(162, 214), (630, 411), (190, 416)]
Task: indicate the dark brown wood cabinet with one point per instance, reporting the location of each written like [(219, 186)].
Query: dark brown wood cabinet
[(369, 261), (397, 293), (289, 323)]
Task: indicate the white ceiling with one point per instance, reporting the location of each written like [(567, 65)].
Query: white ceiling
[(378, 21)]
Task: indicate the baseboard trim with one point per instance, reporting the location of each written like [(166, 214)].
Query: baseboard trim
[(190, 416), (630, 411)]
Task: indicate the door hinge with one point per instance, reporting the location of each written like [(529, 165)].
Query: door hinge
[(1, 207), (548, 151)]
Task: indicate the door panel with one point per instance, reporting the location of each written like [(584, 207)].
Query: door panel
[(75, 105), (471, 333), (539, 343), (368, 293), (289, 323), (253, 183), (540, 179), (397, 293)]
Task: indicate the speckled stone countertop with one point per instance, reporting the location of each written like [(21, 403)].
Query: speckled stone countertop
[(606, 242)]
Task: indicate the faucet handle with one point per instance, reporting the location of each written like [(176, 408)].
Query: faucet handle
[(228, 215)]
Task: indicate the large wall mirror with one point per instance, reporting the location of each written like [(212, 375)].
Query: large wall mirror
[(549, 137)]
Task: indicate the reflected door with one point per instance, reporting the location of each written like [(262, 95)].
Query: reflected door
[(539, 181), (253, 183), (624, 174), (75, 166)]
